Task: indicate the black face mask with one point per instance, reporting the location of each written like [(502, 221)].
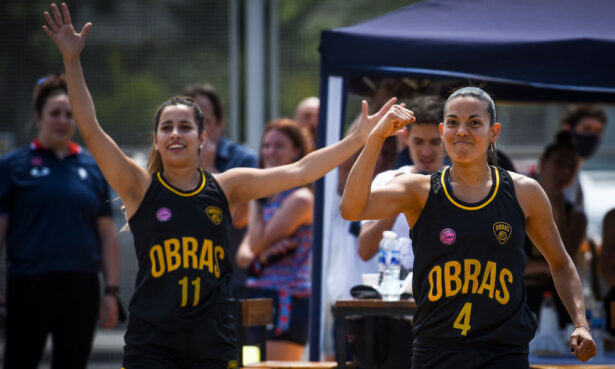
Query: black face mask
[(585, 144)]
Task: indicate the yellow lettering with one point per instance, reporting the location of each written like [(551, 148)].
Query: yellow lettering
[(452, 269), (207, 259), (488, 282), (471, 270), (437, 270), (190, 246), (504, 296), (174, 259), (157, 258), (219, 255)]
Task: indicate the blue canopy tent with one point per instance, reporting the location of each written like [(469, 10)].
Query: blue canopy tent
[(521, 50)]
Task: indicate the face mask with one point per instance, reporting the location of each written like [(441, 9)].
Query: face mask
[(585, 145)]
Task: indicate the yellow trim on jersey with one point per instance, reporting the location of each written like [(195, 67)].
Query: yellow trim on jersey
[(170, 188), (450, 198)]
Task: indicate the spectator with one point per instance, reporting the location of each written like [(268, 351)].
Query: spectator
[(344, 267), (586, 124), (557, 169), (278, 244), (56, 222), (306, 117), (219, 155), (425, 149)]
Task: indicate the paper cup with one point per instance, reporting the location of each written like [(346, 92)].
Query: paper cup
[(370, 279)]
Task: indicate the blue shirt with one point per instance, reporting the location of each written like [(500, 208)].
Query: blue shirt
[(52, 206), (231, 155)]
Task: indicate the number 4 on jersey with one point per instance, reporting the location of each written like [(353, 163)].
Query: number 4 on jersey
[(463, 319)]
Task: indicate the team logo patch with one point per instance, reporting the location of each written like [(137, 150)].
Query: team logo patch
[(502, 231), (215, 214), (163, 214), (233, 364), (448, 236)]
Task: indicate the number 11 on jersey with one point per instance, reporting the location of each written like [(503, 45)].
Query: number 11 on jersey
[(463, 319), (197, 290)]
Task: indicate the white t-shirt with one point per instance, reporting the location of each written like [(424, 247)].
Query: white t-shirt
[(401, 224), (345, 266)]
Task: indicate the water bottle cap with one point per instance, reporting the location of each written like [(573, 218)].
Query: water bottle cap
[(389, 234), (547, 294)]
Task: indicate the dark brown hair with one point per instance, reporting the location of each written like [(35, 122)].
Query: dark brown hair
[(46, 87), (209, 92)]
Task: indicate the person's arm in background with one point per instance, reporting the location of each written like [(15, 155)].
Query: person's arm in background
[(108, 312), (574, 232), (371, 233), (607, 259)]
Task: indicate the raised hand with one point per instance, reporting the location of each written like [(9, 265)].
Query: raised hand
[(368, 122), (393, 120), (61, 31)]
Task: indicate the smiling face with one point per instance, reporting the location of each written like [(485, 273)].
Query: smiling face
[(177, 136), (55, 122), (278, 149), (425, 147), (467, 130)]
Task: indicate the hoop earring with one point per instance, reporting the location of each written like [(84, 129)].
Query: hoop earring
[(492, 147), (201, 147), (156, 148)]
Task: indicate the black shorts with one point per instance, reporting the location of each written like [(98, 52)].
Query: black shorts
[(490, 356), (209, 344)]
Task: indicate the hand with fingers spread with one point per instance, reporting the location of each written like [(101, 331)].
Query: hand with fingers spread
[(582, 343), (61, 30)]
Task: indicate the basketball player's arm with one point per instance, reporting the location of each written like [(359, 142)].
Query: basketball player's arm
[(358, 200), (126, 177), (108, 312), (242, 184), (543, 232)]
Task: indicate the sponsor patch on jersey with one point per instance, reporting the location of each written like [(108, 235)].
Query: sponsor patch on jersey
[(233, 364), (163, 214), (215, 214), (448, 236), (502, 231)]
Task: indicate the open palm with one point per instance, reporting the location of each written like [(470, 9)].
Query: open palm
[(62, 32)]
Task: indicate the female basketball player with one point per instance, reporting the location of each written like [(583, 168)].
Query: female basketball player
[(180, 218), (468, 224)]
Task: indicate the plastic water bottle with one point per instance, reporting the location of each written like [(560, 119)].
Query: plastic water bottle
[(382, 253), (390, 288), (548, 340)]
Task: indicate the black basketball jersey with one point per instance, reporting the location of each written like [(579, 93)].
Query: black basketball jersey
[(468, 267), (181, 241)]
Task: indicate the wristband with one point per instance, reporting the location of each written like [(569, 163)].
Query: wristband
[(112, 290), (582, 326)]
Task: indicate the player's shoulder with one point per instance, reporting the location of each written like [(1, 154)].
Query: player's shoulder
[(523, 183)]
